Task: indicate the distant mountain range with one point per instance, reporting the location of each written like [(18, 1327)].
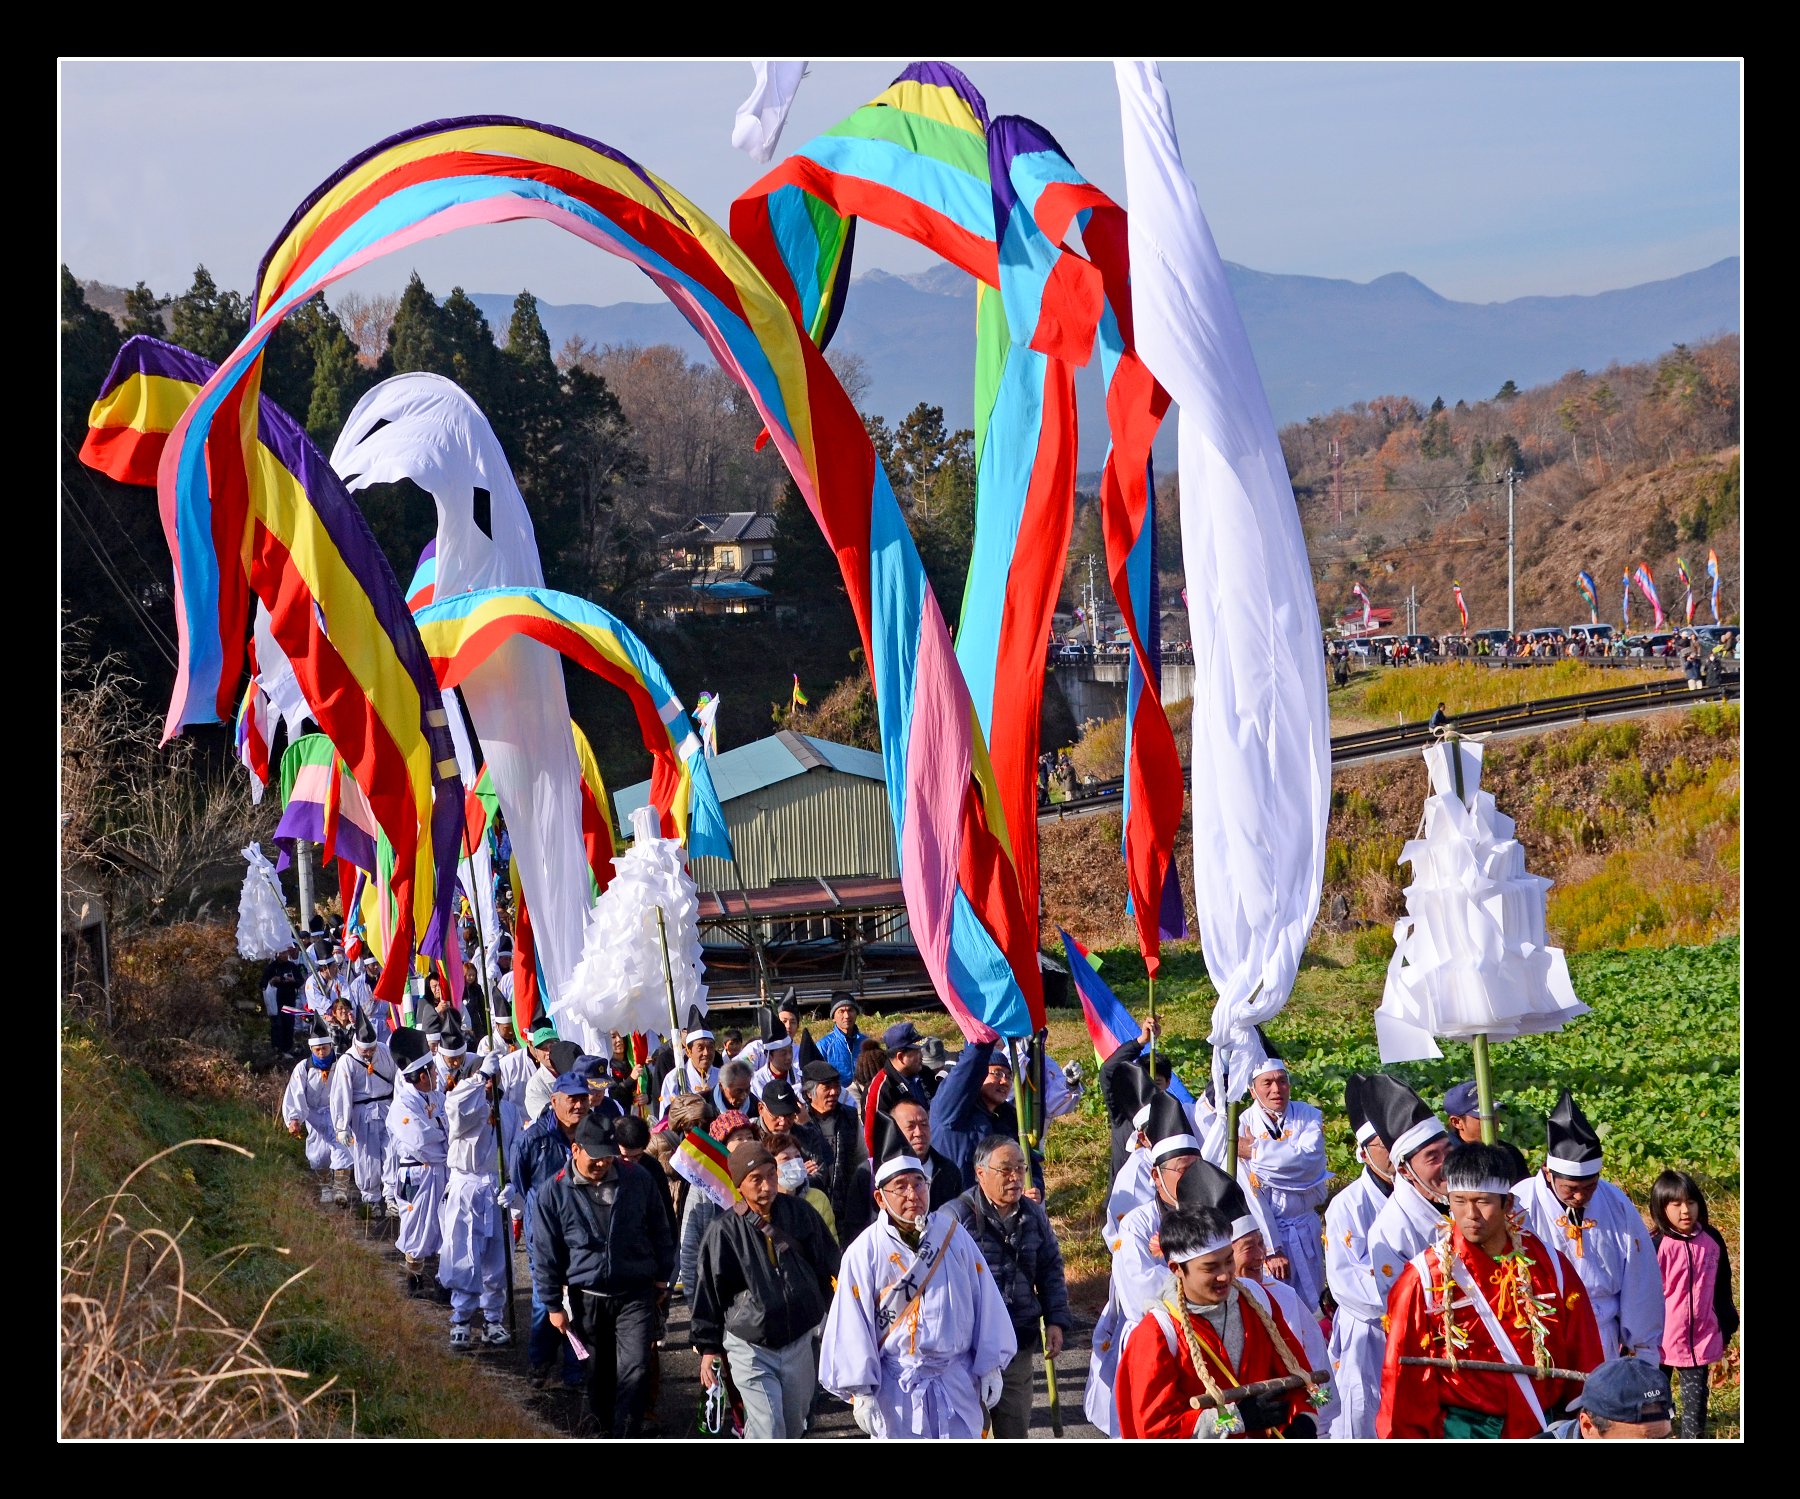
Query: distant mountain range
[(1320, 344)]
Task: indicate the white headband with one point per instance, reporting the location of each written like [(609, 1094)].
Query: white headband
[(1211, 1246), (1268, 1064), (1366, 1132), (1412, 1139), (1174, 1145), (693, 1036), (1495, 1184), (1242, 1226), (780, 1043), (897, 1166), (1562, 1166)]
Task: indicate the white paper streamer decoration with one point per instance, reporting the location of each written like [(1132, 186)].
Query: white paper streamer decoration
[(1470, 955), (263, 931), (618, 985)]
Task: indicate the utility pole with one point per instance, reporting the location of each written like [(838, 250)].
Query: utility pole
[(1512, 627), (1337, 479), (1092, 623)]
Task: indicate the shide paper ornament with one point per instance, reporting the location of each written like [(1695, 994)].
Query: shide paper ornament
[(263, 931), (1470, 955), (619, 984)]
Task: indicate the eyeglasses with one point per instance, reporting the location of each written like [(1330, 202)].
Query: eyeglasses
[(1003, 1171)]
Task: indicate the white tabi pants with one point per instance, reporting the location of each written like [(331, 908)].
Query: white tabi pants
[(368, 1148), (472, 1256), (1357, 1348), (322, 1148)]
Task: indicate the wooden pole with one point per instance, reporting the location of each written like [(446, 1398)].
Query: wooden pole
[(1152, 1027), (1484, 1076), (675, 1031), (1488, 1366), (1012, 1055), (1266, 1387)]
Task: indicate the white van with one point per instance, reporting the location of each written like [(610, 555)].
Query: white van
[(1592, 634)]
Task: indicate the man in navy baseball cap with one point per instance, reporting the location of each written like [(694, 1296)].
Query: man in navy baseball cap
[(1625, 1399), (1462, 1112)]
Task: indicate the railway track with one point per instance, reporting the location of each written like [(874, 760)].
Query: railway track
[(1544, 713)]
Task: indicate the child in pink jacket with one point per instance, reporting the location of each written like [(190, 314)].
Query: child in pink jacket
[(1698, 1315)]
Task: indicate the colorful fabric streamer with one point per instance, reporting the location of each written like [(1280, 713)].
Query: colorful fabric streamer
[(1647, 586), (1357, 590), (1109, 1024), (308, 767), (252, 734), (423, 588), (996, 199), (1712, 572), (1625, 583), (1687, 583), (462, 631), (1461, 607), (701, 1161), (797, 699), (961, 892), (285, 529), (597, 837), (1584, 585)]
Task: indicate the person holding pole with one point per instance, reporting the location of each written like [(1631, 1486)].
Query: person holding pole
[(1490, 1333), (1283, 1142), (1014, 1236), (1416, 1143), (1358, 1340), (696, 1074), (1213, 1357), (362, 1086), (473, 1234)]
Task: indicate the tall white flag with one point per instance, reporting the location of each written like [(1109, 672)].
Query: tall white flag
[(1262, 750), (761, 116)]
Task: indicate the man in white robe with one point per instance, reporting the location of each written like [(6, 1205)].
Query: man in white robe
[(918, 1336), (1282, 1141), (306, 1111), (473, 1225), (421, 1144), (1138, 1269), (362, 1087), (1358, 1341), (696, 1074), (1417, 1144), (1599, 1228)]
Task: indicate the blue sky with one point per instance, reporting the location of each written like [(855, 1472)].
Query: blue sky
[(1486, 180)]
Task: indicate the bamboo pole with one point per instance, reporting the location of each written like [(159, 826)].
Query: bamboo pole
[(1012, 1056), (675, 1031), (1265, 1387), (1484, 1075), (1488, 1366)]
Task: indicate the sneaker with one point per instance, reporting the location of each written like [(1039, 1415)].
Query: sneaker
[(393, 1209), (495, 1335), (460, 1339)]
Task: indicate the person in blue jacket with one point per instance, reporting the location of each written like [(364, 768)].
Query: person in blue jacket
[(974, 1102), (843, 1044)]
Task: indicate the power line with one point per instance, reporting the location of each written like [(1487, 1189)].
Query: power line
[(100, 494), (90, 538)]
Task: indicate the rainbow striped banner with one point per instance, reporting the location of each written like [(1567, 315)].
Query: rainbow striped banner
[(701, 1161), (996, 198), (462, 632), (597, 836), (297, 541), (446, 175), (1647, 586)]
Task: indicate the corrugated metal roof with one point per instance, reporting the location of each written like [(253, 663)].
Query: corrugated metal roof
[(765, 762)]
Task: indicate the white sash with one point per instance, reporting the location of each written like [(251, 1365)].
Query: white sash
[(940, 1228), (1502, 1343)]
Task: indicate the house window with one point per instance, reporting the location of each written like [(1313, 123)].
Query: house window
[(725, 557), (765, 554)]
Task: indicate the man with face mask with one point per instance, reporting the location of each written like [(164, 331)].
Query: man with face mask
[(421, 1146), (1357, 1339), (1416, 1143), (1567, 1205), (306, 1111), (764, 1283), (918, 1336), (1483, 1292)]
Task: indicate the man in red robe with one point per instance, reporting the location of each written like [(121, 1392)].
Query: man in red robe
[(1508, 1297), (1209, 1332)]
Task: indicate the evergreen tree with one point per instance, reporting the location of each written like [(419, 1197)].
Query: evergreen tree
[(90, 338), (474, 356), (339, 380), (415, 338), (206, 320), (143, 313), (530, 413), (806, 569)]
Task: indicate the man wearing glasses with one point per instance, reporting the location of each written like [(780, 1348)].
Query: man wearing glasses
[(1014, 1236)]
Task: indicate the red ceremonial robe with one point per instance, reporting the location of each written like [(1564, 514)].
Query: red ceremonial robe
[(1156, 1384), (1413, 1399)]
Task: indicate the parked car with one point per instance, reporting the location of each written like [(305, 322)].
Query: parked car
[(1421, 645), (1662, 643), (1494, 638), (1594, 634)]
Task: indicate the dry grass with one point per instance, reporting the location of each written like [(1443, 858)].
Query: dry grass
[(145, 1354)]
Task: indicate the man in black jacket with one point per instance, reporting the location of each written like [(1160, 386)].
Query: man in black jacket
[(830, 1134), (1014, 1236), (598, 1231), (913, 1120), (764, 1286)]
